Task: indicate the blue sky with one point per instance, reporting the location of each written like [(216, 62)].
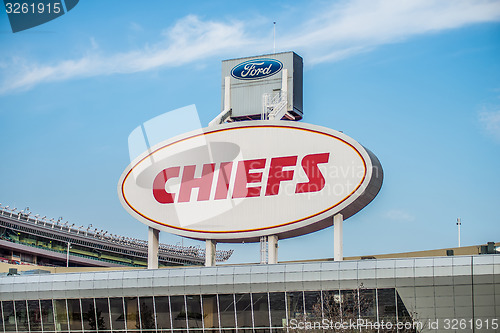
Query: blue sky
[(416, 82)]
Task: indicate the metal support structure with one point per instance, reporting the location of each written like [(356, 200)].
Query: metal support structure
[(338, 246), (210, 250), (263, 250), (153, 246), (459, 223), (276, 107), (272, 242)]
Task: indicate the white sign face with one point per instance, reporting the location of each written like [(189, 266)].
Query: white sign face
[(240, 181)]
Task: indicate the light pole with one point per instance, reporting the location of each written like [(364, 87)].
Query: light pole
[(459, 223), (67, 255)]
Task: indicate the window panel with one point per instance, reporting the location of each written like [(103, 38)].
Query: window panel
[(88, 314), (8, 315), (178, 311), (243, 310), (295, 304), (162, 312), (210, 314), (260, 310), (147, 312), (332, 305), (226, 310), (1, 316), (386, 304), (132, 313), (313, 305), (117, 315), (74, 313), (34, 316), (22, 316), (350, 304), (102, 313), (368, 304), (278, 309), (194, 311), (47, 314), (61, 315)]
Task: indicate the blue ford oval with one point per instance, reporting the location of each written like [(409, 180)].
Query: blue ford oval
[(256, 69)]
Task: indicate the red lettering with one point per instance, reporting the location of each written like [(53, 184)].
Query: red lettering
[(277, 175), (316, 179), (159, 192), (223, 180), (204, 183), (244, 177)]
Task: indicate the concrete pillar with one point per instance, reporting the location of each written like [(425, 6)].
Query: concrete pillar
[(210, 248), (272, 242), (338, 252), (153, 245)]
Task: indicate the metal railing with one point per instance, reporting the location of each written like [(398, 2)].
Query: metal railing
[(40, 226)]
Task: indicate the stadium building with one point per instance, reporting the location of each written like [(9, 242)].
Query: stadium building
[(27, 239), (448, 290)]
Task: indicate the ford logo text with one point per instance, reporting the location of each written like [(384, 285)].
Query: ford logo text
[(256, 69)]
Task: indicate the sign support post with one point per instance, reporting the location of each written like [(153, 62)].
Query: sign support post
[(272, 242), (338, 252), (210, 248), (153, 245)]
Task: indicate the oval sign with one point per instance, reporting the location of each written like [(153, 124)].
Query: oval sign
[(238, 182), (256, 69)]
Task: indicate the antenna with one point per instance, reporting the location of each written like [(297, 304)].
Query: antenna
[(459, 223), (274, 37)]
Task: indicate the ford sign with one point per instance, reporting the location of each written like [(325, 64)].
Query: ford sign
[(256, 69), (241, 181)]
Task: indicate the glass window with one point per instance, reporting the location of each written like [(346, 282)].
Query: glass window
[(34, 316), (226, 310), (386, 304), (368, 304), (178, 311), (349, 304), (210, 315), (47, 314), (295, 304), (162, 312), (132, 313), (102, 313), (117, 316), (147, 313), (260, 310), (194, 311), (22, 316), (403, 314), (88, 314), (74, 313), (1, 316), (278, 309), (313, 305), (61, 315), (331, 305), (9, 316), (243, 310)]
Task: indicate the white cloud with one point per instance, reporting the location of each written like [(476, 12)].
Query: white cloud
[(334, 33), (399, 215), (190, 39), (350, 27), (491, 123)]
